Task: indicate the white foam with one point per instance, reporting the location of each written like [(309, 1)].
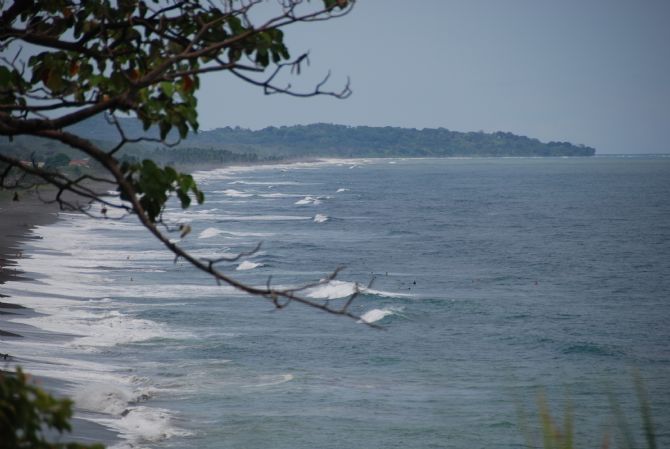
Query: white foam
[(247, 265), (103, 398), (374, 315), (308, 200), (80, 264), (209, 233), (279, 195), (333, 290), (268, 183), (321, 218), (261, 218), (248, 234), (237, 194), (271, 380), (341, 289), (342, 190), (144, 424), (92, 330), (205, 176)]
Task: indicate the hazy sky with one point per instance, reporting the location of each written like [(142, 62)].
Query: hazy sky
[(595, 72)]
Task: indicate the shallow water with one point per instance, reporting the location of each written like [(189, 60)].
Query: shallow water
[(496, 279)]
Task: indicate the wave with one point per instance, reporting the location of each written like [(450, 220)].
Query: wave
[(261, 218), (321, 218), (213, 232), (374, 315), (279, 195), (106, 397), (308, 200), (268, 183), (342, 190), (247, 265), (341, 289), (209, 233), (236, 193), (103, 395), (91, 330), (270, 380), (81, 325), (143, 424), (226, 173)]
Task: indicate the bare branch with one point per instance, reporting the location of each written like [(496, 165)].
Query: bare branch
[(234, 258)]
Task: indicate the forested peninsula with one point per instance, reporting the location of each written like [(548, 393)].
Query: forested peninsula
[(239, 145), (323, 139)]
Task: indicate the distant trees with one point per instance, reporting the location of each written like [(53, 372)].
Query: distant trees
[(329, 140)]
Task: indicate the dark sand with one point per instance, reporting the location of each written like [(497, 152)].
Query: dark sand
[(17, 220)]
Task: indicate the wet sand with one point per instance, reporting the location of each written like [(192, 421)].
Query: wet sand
[(17, 218)]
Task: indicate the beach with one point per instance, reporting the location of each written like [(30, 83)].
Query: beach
[(17, 221)]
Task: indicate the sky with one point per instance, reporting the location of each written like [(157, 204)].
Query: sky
[(592, 72)]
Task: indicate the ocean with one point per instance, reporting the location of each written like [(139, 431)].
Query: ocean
[(497, 281)]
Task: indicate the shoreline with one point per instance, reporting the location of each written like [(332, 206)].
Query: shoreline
[(19, 218)]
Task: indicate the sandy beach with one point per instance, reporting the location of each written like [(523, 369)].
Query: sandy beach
[(17, 221), (18, 218)]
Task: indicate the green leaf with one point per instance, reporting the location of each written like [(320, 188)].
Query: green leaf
[(5, 77)]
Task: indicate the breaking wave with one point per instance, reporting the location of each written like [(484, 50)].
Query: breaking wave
[(374, 315), (308, 200), (247, 265), (209, 233), (341, 289)]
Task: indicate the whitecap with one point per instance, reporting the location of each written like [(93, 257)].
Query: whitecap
[(308, 200), (342, 190), (320, 218), (237, 194), (278, 195), (341, 289), (374, 315), (209, 233), (247, 265)]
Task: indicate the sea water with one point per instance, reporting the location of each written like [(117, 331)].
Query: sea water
[(497, 282)]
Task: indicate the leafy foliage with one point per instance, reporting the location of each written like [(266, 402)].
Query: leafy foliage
[(26, 410), (154, 184), (142, 58), (134, 55)]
